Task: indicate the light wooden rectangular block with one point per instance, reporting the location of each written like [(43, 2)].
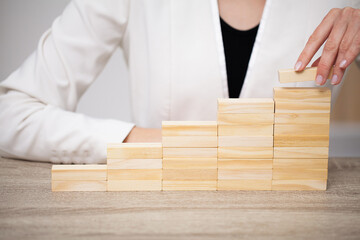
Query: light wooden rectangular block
[(78, 186), (245, 152), (190, 152), (134, 174), (250, 141), (245, 105), (245, 118), (134, 150), (246, 130), (301, 152), (190, 163), (309, 163), (302, 118), (297, 173), (244, 184), (190, 174), (189, 185), (147, 163), (301, 107), (309, 74), (78, 172), (299, 94), (134, 185), (301, 141), (290, 185), (189, 141), (245, 163), (189, 128), (232, 174), (301, 129)]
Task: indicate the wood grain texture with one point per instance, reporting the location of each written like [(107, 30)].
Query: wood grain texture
[(78, 186), (301, 152), (244, 184), (246, 130), (190, 141), (189, 128), (303, 107), (189, 185), (298, 173), (134, 150), (146, 163), (302, 94), (291, 185), (301, 141), (245, 105), (311, 163), (302, 118), (245, 163), (245, 118), (234, 174), (134, 174), (301, 129), (78, 172), (190, 152), (189, 174), (250, 141), (290, 75), (190, 163), (245, 152), (134, 185)]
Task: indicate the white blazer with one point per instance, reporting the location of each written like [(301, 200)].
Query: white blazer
[(176, 62)]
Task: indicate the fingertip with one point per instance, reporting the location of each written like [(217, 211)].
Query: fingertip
[(298, 66)]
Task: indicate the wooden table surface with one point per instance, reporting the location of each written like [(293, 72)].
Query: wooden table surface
[(29, 210)]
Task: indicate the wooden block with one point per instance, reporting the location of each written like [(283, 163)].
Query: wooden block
[(134, 185), (189, 128), (302, 118), (299, 184), (301, 129), (245, 105), (298, 94), (245, 152), (190, 152), (134, 174), (301, 152), (147, 163), (250, 141), (245, 118), (297, 173), (134, 150), (301, 141), (301, 107), (78, 172), (244, 184), (309, 74), (189, 185), (189, 174), (246, 130), (233, 174), (189, 141), (190, 163), (309, 163), (245, 164), (78, 186)]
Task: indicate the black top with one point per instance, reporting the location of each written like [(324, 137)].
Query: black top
[(238, 46)]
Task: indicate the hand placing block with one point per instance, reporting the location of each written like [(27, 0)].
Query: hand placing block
[(290, 75)]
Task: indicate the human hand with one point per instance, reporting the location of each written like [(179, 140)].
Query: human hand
[(138, 134), (341, 30)]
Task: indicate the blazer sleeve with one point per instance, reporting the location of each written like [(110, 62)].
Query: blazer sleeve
[(38, 100)]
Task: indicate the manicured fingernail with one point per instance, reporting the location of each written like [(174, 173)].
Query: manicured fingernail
[(334, 79), (319, 80), (298, 65), (342, 63)]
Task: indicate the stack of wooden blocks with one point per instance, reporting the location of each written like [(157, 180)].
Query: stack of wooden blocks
[(301, 138), (189, 155), (245, 143)]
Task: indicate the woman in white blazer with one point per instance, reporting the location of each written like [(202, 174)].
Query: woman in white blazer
[(175, 56)]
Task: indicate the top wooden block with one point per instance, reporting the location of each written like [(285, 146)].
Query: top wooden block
[(309, 74), (245, 105), (302, 94), (189, 128), (79, 172), (134, 150)]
